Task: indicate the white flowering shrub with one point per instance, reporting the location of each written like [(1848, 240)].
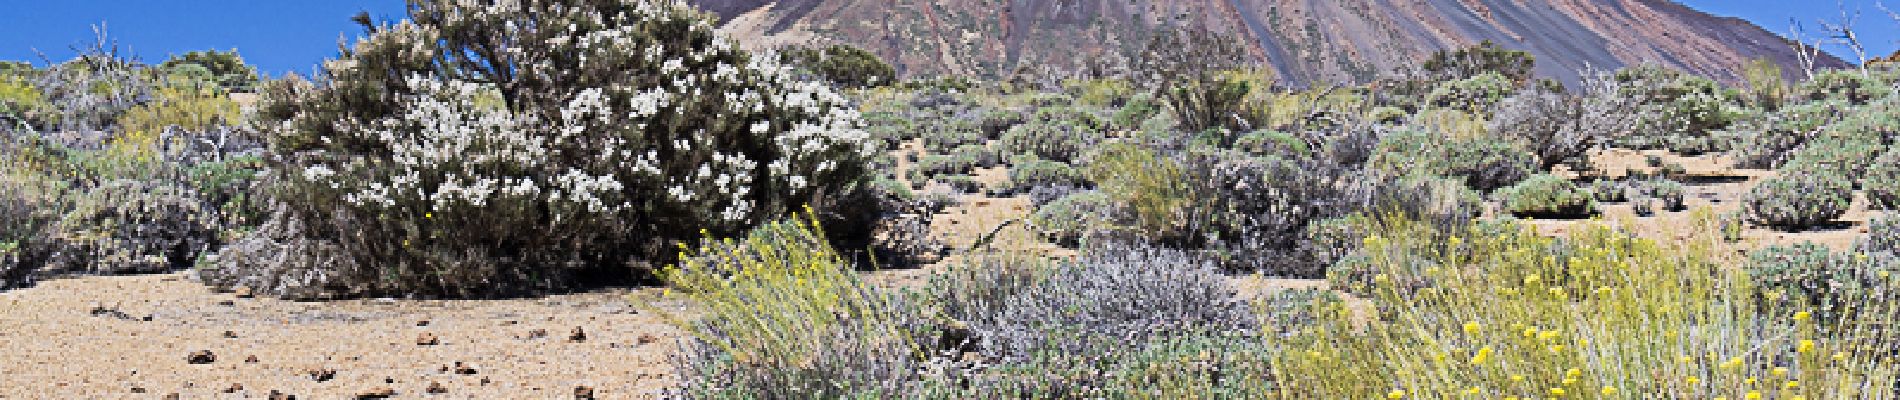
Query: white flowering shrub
[(485, 147)]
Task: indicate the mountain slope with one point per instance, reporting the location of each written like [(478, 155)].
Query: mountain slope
[(1304, 41)]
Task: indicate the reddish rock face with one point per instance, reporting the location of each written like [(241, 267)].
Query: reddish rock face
[(1304, 41)]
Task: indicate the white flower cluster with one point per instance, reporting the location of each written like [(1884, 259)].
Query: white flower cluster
[(665, 123)]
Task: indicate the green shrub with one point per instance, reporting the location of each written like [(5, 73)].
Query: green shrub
[(943, 134), (1846, 85), (933, 165), (1031, 173), (1656, 193), (225, 68), (845, 65), (961, 183), (1883, 181), (1798, 200), (1483, 164), (1883, 236), (1610, 190), (133, 227), (1769, 142), (1485, 58), (1476, 94), (419, 165), (996, 121), (1839, 156), (1546, 195), (21, 104), (980, 156), (1832, 284), (1069, 219), (1058, 134)]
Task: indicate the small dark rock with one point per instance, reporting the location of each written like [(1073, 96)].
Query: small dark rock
[(230, 335), (583, 393), (276, 395), (201, 357), (578, 335), (437, 388), (464, 369), (234, 388), (647, 338), (427, 339), (535, 334), (321, 374), (250, 359), (380, 392)]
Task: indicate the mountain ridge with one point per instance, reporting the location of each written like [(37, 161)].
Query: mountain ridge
[(1304, 42)]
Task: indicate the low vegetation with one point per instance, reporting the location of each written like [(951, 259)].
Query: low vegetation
[(634, 144)]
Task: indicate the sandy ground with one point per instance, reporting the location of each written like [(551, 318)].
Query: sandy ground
[(130, 337)]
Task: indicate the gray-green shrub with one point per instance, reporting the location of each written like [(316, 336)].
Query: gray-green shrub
[(1798, 200), (1546, 195)]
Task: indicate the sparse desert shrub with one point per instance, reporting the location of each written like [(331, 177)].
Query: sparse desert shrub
[(1678, 111), (1068, 328), (1033, 172), (996, 121), (980, 156), (1483, 164), (1610, 190), (1883, 236), (226, 68), (1476, 94), (1769, 143), (1844, 157), (1060, 134), (933, 164), (1831, 284), (1156, 190), (786, 317), (437, 158), (891, 128), (1189, 69), (961, 183), (1486, 57), (133, 227), (1547, 195), (1844, 85), (21, 104), (1502, 317), (1068, 219), (1254, 211), (1647, 196), (1137, 110), (943, 134), (1796, 201), (845, 65), (1561, 129)]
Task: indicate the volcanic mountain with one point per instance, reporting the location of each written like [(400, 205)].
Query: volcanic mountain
[(1303, 41)]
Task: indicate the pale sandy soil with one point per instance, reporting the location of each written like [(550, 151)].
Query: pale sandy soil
[(90, 338)]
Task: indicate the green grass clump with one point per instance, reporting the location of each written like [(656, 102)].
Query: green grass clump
[(1882, 181), (784, 316), (1548, 196)]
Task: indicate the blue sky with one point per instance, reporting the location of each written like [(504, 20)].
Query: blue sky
[(283, 36)]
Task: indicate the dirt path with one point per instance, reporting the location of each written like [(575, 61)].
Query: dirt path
[(130, 337)]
